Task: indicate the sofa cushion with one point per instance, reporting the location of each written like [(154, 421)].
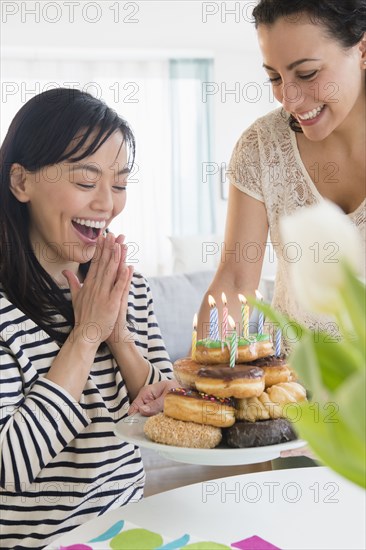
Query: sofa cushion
[(176, 299)]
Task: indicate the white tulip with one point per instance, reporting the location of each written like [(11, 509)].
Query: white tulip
[(324, 237)]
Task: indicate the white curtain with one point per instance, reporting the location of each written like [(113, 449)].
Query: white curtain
[(192, 183), (139, 91)]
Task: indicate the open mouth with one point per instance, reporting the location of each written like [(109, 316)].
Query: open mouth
[(88, 229)]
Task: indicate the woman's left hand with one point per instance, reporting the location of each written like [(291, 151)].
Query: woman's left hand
[(120, 332), (150, 399)]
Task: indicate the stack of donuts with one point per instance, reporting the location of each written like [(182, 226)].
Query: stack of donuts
[(244, 405)]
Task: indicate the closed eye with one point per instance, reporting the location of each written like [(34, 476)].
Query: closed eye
[(86, 185), (308, 75), (119, 187), (275, 79)]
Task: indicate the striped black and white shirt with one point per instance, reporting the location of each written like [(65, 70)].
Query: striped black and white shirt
[(60, 462)]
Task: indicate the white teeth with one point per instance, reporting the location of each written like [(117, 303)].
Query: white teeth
[(90, 223), (311, 114)]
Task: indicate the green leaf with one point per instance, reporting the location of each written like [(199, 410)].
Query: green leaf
[(332, 440), (293, 330), (353, 294), (304, 361), (337, 361), (351, 400)]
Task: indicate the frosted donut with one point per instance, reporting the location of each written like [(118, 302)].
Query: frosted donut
[(259, 434), (166, 430), (191, 406), (212, 352), (185, 371), (240, 381), (276, 370)]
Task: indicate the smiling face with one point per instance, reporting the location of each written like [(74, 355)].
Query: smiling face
[(70, 204), (318, 81)]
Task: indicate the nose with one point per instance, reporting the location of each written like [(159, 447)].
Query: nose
[(103, 198), (292, 96)]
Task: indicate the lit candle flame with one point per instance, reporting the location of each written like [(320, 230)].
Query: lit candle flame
[(223, 298), (258, 295), (211, 301), (231, 322), (242, 299), (195, 321)]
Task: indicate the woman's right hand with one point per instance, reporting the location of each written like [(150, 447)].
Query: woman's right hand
[(96, 302)]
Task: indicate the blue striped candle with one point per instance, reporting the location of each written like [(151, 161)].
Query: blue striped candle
[(260, 315), (278, 339), (214, 319)]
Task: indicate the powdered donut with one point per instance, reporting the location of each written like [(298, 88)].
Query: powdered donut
[(192, 406), (166, 430), (240, 381)]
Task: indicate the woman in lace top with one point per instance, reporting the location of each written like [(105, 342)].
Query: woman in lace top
[(313, 147)]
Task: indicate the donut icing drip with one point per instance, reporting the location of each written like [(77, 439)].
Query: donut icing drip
[(270, 361), (200, 395), (227, 373)]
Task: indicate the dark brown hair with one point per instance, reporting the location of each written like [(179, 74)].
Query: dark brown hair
[(39, 136)]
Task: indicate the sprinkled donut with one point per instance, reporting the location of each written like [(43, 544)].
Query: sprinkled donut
[(193, 406)]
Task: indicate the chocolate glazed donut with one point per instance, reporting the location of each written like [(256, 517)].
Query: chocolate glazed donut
[(276, 369), (259, 434), (240, 381)]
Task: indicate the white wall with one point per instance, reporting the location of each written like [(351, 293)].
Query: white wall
[(157, 28)]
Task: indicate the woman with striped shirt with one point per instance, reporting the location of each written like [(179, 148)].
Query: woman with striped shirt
[(79, 338)]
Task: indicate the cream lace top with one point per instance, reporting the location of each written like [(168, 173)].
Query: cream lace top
[(266, 164)]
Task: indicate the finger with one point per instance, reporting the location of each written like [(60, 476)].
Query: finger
[(124, 252), (73, 282), (153, 407), (120, 239), (95, 259), (122, 260), (108, 263)]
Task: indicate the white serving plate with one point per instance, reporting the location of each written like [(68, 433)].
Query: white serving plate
[(131, 429)]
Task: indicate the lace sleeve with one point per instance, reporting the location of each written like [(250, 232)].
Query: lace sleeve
[(245, 167)]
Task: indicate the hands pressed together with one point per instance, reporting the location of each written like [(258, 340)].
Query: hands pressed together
[(100, 303)]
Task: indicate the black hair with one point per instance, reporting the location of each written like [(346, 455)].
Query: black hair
[(40, 135), (342, 20)]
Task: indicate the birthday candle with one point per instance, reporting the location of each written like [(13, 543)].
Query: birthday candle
[(225, 313), (244, 315), (194, 337), (261, 314), (233, 342), (278, 339), (214, 319)]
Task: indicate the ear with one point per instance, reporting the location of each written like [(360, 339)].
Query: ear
[(18, 182), (362, 48)]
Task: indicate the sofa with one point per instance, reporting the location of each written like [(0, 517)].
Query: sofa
[(176, 299)]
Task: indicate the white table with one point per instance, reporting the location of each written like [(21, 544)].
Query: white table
[(294, 509)]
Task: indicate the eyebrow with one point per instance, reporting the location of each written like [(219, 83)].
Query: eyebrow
[(95, 170), (294, 64)]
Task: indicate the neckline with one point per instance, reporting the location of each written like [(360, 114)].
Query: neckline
[(310, 181)]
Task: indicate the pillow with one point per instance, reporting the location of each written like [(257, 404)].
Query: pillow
[(176, 300)]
